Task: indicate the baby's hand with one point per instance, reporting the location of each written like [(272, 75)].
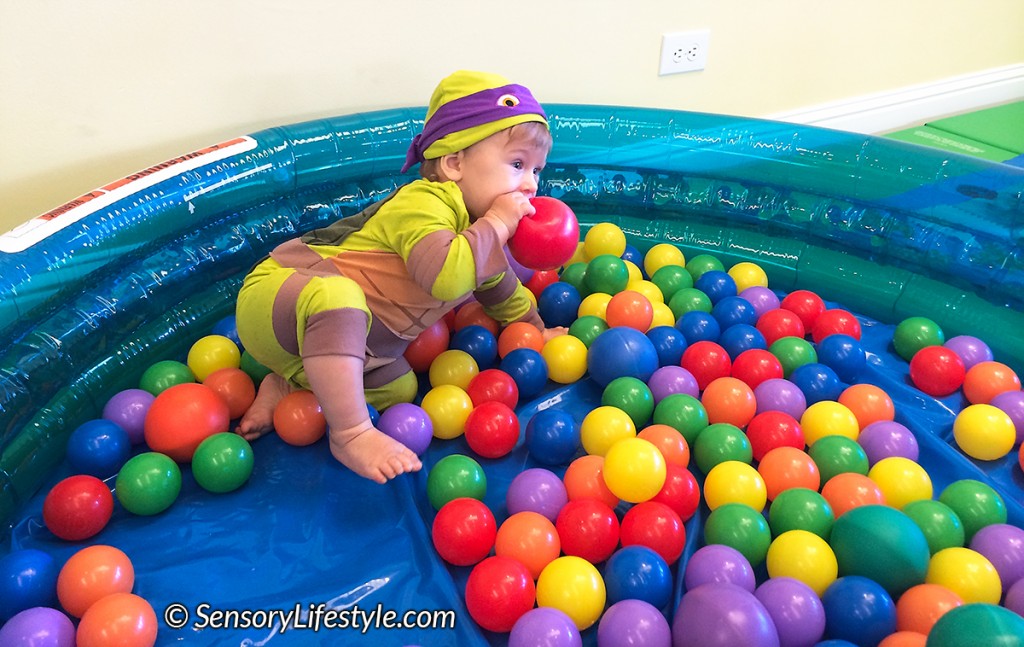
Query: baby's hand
[(510, 208), (556, 331)]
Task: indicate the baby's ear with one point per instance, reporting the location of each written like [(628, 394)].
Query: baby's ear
[(450, 166)]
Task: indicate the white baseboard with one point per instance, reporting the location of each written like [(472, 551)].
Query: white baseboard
[(914, 105)]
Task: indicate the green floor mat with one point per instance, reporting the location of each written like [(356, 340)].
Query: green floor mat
[(1001, 126), (928, 136)]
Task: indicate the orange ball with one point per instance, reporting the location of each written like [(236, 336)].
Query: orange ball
[(430, 343), (868, 403), (729, 400), (787, 467), (921, 606), (851, 490), (118, 620), (235, 388), (299, 420), (584, 479), (519, 334), (472, 314), (529, 537), (669, 441), (92, 573), (631, 309), (183, 416), (904, 639), (986, 380)]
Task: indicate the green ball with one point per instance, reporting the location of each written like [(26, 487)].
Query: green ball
[(606, 273), (222, 463), (574, 275), (633, 396), (882, 544), (940, 525), (837, 455), (702, 263), (721, 442), (688, 300), (454, 477), (801, 509), (976, 503), (741, 527), (684, 413), (978, 624), (148, 483), (165, 374), (913, 334), (253, 369), (792, 353), (671, 279), (587, 328)]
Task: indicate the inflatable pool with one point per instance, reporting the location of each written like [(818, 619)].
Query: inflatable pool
[(96, 291)]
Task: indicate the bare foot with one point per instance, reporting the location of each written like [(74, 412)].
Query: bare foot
[(259, 419), (372, 454)]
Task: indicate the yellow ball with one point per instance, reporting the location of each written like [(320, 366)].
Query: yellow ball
[(566, 357), (828, 418), (661, 255), (634, 272), (634, 470), (453, 366), (573, 586), (804, 556), (595, 304), (663, 315), (901, 480), (448, 407), (648, 289), (604, 238), (735, 482), (748, 275), (984, 432), (967, 573), (579, 256), (603, 427), (212, 353)]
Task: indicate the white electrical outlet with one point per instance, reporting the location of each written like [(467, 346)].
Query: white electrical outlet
[(685, 51)]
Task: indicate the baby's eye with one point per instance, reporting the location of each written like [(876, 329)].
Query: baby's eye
[(508, 100), (517, 165)]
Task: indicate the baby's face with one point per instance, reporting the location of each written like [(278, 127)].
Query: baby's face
[(498, 165)]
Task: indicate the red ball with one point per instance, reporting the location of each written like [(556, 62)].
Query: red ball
[(540, 280), (430, 343), (472, 313), (492, 429), (499, 591), (589, 529), (493, 385), (835, 321), (299, 420), (235, 387), (706, 361), (937, 370), (464, 531), (779, 323), (770, 429), (680, 492), (755, 365), (656, 526), (548, 238), (183, 416), (78, 507), (805, 304)]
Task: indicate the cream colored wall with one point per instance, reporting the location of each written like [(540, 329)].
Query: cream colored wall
[(93, 91)]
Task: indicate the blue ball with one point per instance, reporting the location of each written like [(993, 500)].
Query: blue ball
[(716, 284), (28, 578), (844, 355), (528, 369), (741, 337), (552, 437), (698, 325), (98, 448), (479, 342), (858, 609), (636, 257), (621, 351), (818, 382), (730, 311), (226, 328), (374, 414), (559, 304), (638, 573), (670, 344)]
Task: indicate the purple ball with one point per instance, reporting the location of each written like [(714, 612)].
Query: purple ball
[(1003, 545), (544, 627), (1014, 600), (635, 623), (778, 394), (795, 609), (128, 409), (537, 490), (970, 349), (716, 563), (1012, 403), (722, 615), (38, 627), (887, 438), (523, 273), (668, 380), (763, 299), (409, 424)]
